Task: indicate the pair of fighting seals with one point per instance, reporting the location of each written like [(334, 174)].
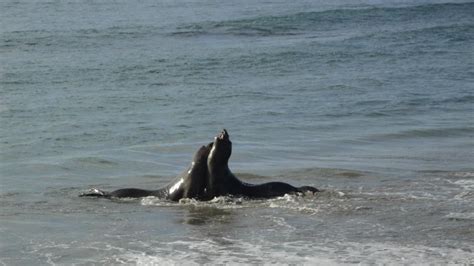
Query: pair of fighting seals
[(207, 177)]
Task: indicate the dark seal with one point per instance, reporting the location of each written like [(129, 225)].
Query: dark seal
[(190, 184), (223, 182)]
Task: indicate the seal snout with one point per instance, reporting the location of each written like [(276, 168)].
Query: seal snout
[(223, 135)]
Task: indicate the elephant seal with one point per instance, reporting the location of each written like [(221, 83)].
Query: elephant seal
[(222, 182), (190, 184)]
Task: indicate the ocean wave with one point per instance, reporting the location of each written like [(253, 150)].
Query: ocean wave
[(333, 173), (466, 184), (79, 38), (393, 196), (415, 40), (458, 32), (299, 23), (424, 133), (459, 99), (463, 174), (95, 161), (460, 216), (397, 107), (225, 250), (219, 251)]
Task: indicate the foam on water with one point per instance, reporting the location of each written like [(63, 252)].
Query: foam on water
[(461, 216), (226, 250), (291, 202)]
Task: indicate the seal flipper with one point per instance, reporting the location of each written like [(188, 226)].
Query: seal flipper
[(120, 193), (94, 192)]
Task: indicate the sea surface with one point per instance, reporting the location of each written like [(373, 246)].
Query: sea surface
[(371, 101)]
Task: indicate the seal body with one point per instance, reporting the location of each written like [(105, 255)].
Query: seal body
[(190, 184), (223, 182), (207, 177)]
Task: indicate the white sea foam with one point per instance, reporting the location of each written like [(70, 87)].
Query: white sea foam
[(154, 201), (232, 251), (194, 251), (408, 195), (461, 215), (467, 184), (464, 174), (217, 202), (197, 251), (295, 202)]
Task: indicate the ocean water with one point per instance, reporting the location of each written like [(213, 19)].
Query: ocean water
[(370, 100)]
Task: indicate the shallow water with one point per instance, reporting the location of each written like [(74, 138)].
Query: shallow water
[(371, 101)]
